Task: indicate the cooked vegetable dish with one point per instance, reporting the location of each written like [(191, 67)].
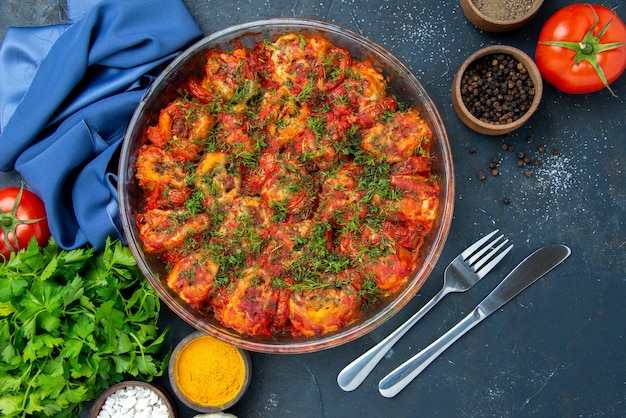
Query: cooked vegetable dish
[(285, 188)]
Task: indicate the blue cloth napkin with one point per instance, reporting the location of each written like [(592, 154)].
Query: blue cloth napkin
[(67, 94)]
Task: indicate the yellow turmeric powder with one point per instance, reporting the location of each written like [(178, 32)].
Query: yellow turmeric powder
[(210, 372)]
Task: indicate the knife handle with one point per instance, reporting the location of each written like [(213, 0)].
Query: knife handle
[(399, 378)]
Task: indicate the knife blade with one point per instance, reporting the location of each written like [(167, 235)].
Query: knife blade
[(528, 271)]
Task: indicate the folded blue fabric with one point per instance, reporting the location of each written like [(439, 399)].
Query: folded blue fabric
[(64, 108)]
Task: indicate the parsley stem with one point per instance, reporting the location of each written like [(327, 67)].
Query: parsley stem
[(140, 347)]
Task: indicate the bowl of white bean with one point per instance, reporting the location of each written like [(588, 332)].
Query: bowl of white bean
[(133, 398)]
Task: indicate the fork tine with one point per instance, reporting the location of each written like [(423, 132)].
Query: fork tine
[(477, 264), (472, 248), (486, 269), (479, 254)]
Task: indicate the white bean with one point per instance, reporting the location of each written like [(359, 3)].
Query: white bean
[(134, 402)]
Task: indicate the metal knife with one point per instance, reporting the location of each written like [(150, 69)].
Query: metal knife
[(526, 273)]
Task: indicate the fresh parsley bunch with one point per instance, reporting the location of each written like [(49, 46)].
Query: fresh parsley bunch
[(73, 323)]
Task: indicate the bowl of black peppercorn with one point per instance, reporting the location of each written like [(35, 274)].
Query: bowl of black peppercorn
[(496, 90)]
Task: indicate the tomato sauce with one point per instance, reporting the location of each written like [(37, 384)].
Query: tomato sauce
[(285, 188)]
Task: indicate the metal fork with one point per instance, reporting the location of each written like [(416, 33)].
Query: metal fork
[(461, 274)]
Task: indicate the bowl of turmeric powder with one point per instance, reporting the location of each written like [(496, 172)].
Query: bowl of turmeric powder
[(209, 375)]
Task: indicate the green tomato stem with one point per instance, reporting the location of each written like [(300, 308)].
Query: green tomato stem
[(6, 221), (585, 48)]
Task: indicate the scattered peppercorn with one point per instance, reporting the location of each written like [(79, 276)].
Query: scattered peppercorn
[(524, 159), (497, 89)]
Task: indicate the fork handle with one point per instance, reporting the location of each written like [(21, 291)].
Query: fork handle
[(355, 373), (399, 378)]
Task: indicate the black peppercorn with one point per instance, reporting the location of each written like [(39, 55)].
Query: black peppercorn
[(497, 89)]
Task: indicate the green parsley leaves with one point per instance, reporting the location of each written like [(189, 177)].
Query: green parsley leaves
[(73, 323)]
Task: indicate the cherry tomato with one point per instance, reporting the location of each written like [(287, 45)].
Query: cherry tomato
[(582, 48), (22, 216)]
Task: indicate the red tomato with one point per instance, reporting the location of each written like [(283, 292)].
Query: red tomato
[(22, 216), (582, 48)]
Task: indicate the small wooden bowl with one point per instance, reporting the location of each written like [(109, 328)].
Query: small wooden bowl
[(99, 402), (490, 24), (172, 371), (492, 128)]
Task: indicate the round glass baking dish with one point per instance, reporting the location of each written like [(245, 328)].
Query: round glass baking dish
[(403, 84)]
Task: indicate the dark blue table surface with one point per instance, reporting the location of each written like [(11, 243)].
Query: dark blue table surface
[(559, 348)]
